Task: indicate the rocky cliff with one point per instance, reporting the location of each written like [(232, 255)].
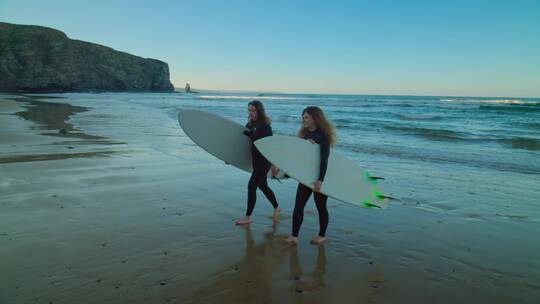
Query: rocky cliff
[(40, 59)]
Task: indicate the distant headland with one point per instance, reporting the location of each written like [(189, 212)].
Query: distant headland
[(41, 59)]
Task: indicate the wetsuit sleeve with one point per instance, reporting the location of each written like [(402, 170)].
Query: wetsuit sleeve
[(325, 153)]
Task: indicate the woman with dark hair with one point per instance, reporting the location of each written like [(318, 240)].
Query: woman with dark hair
[(318, 130), (258, 127)]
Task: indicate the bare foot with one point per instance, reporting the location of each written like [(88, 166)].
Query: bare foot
[(244, 221), (277, 211), (291, 240), (318, 240)]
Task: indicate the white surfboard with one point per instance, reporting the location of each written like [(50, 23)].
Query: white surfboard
[(220, 137), (344, 179)]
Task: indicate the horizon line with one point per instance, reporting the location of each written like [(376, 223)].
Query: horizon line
[(359, 94)]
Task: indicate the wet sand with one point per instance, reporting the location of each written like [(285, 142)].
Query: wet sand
[(89, 219)]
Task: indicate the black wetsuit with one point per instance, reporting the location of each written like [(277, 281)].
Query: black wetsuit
[(303, 193), (260, 167)]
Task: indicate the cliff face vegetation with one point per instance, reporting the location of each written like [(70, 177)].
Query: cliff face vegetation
[(41, 59)]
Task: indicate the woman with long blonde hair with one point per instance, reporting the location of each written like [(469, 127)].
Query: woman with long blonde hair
[(318, 130)]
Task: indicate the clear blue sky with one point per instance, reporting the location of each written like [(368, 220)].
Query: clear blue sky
[(453, 47)]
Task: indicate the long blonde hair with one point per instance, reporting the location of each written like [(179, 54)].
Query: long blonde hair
[(321, 122)]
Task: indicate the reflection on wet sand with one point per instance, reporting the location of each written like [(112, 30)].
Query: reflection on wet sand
[(273, 272), (50, 119), (27, 158), (53, 116), (316, 283), (251, 278)]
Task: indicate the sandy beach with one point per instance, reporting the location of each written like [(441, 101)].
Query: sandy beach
[(88, 218)]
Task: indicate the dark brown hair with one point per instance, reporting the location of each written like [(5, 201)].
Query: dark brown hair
[(261, 113)]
